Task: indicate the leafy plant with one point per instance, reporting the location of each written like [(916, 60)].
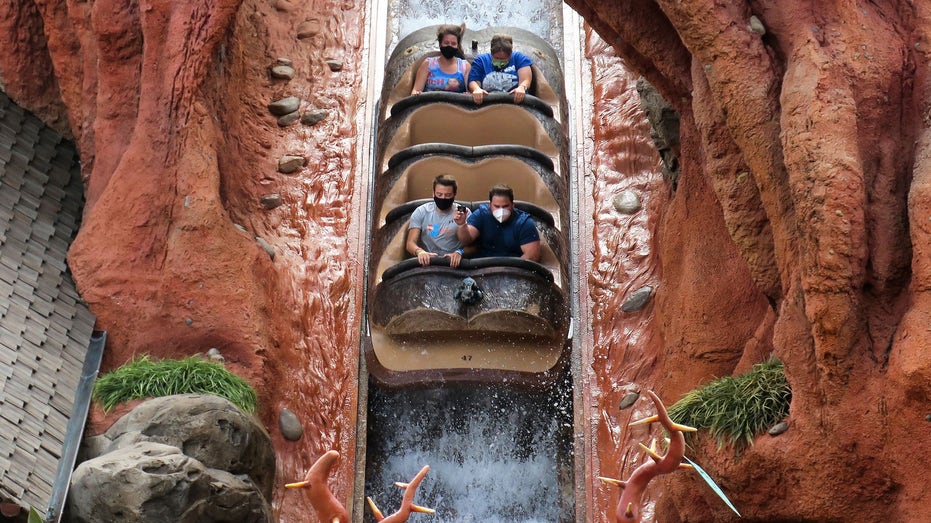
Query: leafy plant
[(735, 409), (34, 516), (144, 378)]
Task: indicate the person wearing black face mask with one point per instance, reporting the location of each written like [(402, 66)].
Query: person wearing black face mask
[(447, 72), (433, 229)]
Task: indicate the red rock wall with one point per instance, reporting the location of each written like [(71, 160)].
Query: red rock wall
[(806, 149), (168, 104)]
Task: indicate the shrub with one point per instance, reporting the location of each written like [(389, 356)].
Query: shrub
[(735, 409), (144, 378)]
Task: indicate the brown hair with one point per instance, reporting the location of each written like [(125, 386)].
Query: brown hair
[(501, 190), (502, 43), (455, 30), (446, 180)]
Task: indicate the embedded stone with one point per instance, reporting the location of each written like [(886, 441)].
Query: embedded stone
[(270, 201), (627, 202), (266, 247), (629, 400), (284, 106), (240, 227), (335, 65), (637, 299), (284, 61), (756, 26), (778, 428), (290, 425), (284, 6), (308, 28), (314, 116), (288, 119), (213, 354), (289, 164), (282, 72)]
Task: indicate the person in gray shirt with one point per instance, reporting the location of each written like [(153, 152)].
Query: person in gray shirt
[(433, 226)]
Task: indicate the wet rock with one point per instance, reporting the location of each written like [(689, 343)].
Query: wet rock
[(627, 202), (266, 247), (289, 164), (637, 299), (151, 481), (314, 116), (288, 119), (308, 28), (629, 400), (778, 428), (289, 425), (334, 65), (270, 201), (282, 72), (284, 106)]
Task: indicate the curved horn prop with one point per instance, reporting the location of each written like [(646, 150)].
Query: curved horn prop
[(328, 508), (629, 505), (407, 503)]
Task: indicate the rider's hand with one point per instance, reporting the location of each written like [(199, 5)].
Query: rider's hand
[(423, 257)]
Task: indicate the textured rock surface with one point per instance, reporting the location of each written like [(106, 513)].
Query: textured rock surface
[(168, 104), (147, 482), (803, 202), (207, 428)]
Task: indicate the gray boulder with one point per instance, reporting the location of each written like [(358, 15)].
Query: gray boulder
[(149, 482), (204, 427)]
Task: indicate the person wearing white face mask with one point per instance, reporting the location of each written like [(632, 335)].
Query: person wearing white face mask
[(500, 229)]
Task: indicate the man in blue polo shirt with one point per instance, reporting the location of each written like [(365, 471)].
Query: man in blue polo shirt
[(500, 229)]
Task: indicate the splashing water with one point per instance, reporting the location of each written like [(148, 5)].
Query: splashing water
[(541, 17), (495, 454)]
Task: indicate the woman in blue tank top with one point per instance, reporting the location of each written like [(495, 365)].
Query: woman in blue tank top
[(447, 72)]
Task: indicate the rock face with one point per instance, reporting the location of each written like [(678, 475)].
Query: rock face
[(804, 194), (190, 458), (148, 482), (168, 105), (207, 428)]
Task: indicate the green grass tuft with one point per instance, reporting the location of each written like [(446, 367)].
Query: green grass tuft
[(736, 409), (144, 378)]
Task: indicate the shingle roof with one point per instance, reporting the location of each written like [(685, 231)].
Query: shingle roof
[(45, 327)]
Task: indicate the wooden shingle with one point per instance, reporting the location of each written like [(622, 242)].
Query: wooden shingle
[(45, 327)]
